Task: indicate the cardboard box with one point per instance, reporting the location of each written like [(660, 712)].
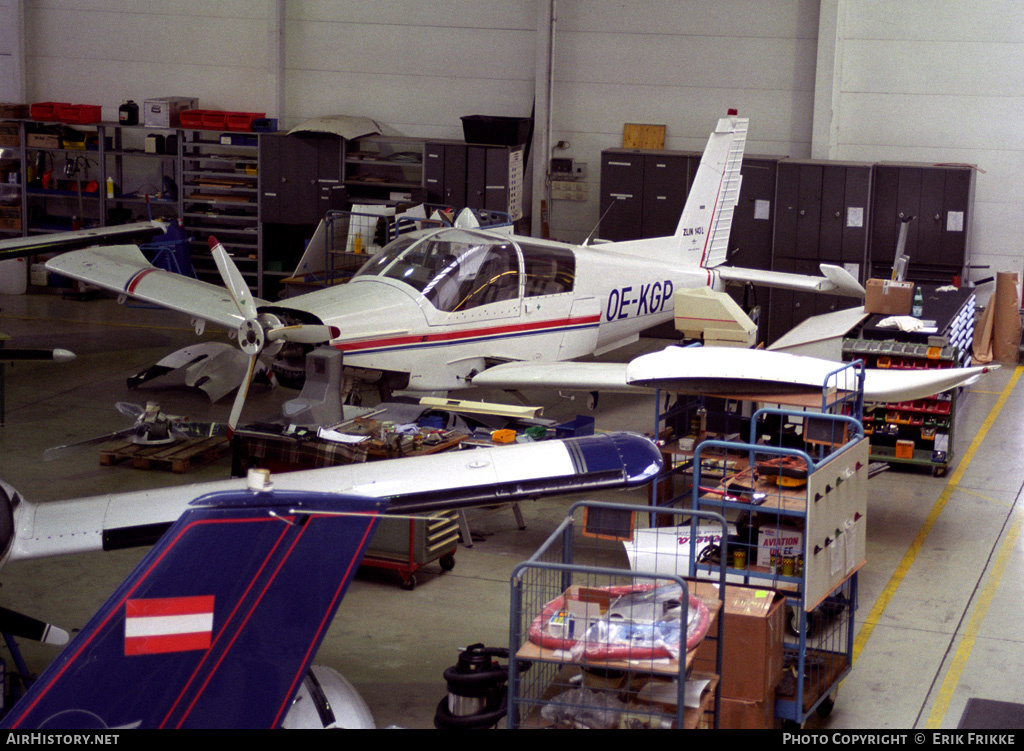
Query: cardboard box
[(42, 140), (889, 298), (736, 714), (754, 625)]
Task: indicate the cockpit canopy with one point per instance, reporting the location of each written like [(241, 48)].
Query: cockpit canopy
[(459, 269)]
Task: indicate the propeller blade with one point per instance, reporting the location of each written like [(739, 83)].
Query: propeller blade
[(233, 280), (57, 452), (130, 409), (24, 627), (243, 389), (304, 333)]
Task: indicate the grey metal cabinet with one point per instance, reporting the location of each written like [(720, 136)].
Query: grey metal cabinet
[(301, 178), (622, 185), (668, 178), (444, 172), (478, 176), (941, 200)]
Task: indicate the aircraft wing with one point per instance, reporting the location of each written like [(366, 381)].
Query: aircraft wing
[(123, 269), (730, 370), (571, 376), (835, 280), (733, 371), (218, 624), (413, 484), (17, 247)]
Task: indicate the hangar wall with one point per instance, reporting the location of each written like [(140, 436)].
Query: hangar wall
[(923, 80), (938, 81)]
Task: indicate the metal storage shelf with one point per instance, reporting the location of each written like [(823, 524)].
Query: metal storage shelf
[(583, 558), (223, 178), (801, 532)]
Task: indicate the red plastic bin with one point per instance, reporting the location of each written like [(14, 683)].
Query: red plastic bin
[(79, 114), (192, 118), (46, 111), (242, 121), (215, 120)]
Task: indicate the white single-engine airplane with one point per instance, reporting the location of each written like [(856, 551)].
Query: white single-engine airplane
[(435, 309)]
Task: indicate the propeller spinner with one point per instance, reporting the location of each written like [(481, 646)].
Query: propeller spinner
[(258, 330)]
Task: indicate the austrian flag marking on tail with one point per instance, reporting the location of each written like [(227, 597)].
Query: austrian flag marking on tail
[(169, 624)]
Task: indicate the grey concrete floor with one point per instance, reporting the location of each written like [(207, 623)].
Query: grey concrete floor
[(940, 596)]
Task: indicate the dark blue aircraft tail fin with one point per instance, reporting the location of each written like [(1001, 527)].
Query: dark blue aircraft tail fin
[(217, 626)]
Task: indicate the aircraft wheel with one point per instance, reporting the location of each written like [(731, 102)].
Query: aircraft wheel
[(447, 562)]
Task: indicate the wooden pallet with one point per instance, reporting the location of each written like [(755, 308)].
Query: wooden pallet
[(182, 456)]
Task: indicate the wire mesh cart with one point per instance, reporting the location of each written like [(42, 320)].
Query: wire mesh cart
[(799, 518), (596, 640)]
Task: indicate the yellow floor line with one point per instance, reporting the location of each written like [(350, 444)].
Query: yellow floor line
[(963, 652), (910, 556)]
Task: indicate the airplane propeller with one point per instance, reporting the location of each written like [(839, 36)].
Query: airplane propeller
[(152, 426), (258, 330)]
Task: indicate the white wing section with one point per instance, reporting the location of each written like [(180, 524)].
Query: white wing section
[(124, 269), (572, 376), (836, 280), (728, 370), (721, 370), (80, 525), (902, 385)]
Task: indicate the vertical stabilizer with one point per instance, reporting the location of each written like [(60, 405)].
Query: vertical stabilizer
[(703, 230), (217, 625)]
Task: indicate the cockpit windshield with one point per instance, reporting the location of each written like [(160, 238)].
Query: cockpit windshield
[(455, 270)]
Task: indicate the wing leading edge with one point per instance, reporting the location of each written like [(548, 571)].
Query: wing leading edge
[(124, 270), (217, 625)]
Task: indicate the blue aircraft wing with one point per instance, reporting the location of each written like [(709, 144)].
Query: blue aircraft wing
[(218, 624)]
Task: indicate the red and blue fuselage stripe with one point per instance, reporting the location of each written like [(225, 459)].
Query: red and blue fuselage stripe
[(488, 333)]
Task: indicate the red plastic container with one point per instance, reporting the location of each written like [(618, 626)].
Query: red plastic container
[(46, 111), (242, 121), (192, 118), (215, 120), (79, 114)]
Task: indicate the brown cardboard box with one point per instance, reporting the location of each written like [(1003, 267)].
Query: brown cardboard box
[(889, 298), (736, 714), (751, 645)]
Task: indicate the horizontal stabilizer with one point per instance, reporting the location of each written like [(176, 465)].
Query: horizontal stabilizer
[(447, 480), (836, 280)]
